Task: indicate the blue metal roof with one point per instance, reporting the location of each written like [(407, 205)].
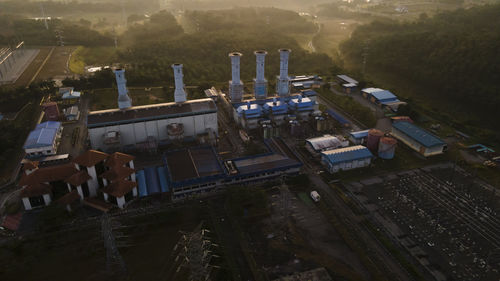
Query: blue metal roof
[(360, 134), (152, 181), (337, 117), (309, 93), (43, 135), (49, 124), (418, 134), (346, 154), (347, 79), (141, 182), (384, 95), (163, 179)]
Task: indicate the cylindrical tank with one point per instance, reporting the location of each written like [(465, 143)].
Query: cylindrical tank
[(373, 139), (387, 147), (320, 124)]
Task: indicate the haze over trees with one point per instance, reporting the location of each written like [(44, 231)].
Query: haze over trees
[(450, 60)]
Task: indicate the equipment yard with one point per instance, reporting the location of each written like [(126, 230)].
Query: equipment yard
[(444, 217)]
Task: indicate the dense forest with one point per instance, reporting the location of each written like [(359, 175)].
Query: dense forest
[(450, 60), (152, 47), (63, 8), (34, 32)]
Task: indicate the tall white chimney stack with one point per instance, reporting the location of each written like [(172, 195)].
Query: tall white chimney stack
[(124, 100), (180, 93), (283, 88), (235, 85), (260, 82)]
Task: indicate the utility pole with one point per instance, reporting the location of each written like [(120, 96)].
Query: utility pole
[(365, 56), (194, 251), (114, 261), (44, 17)]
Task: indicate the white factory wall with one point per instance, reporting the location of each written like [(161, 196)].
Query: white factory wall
[(134, 133)]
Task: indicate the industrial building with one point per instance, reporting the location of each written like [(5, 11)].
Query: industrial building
[(130, 127), (304, 82), (88, 175), (250, 114), (418, 139), (347, 158), (43, 140), (358, 137), (72, 113), (69, 95), (382, 98), (348, 84), (326, 142), (192, 171)]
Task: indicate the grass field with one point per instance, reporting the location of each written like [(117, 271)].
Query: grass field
[(97, 56), (57, 65)]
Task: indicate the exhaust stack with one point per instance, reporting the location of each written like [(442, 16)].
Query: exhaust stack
[(180, 93), (283, 83), (260, 82), (124, 100), (235, 85)]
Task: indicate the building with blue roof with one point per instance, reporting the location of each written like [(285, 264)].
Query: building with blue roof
[(43, 140), (358, 137), (249, 113), (382, 98), (346, 158), (418, 139), (344, 79)]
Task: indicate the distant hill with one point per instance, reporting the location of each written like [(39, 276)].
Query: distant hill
[(450, 63)]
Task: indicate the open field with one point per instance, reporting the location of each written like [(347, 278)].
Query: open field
[(97, 56), (57, 66), (32, 69)]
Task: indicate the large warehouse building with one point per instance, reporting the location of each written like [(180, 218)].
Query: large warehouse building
[(418, 139), (131, 126), (347, 158)]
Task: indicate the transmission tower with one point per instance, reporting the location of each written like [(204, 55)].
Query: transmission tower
[(114, 261), (194, 251)]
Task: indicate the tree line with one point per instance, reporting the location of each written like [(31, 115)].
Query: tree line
[(451, 58)]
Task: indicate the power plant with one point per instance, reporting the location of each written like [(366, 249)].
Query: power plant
[(148, 126)]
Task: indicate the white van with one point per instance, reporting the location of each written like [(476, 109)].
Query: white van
[(315, 196)]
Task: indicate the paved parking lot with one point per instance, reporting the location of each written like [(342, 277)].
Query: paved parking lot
[(444, 218)]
